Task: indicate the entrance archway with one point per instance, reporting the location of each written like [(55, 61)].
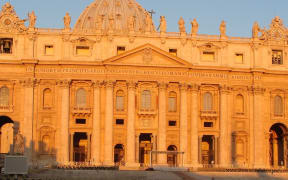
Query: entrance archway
[(119, 154), (278, 145), (208, 149), (145, 146), (6, 134), (172, 156), (80, 147)]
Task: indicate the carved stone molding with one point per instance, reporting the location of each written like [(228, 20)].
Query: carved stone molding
[(96, 84), (109, 84), (131, 85), (183, 86), (63, 83), (225, 89), (194, 88), (257, 90), (28, 83), (162, 86), (9, 21), (147, 55)]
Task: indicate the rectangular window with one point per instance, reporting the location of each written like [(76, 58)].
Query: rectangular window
[(82, 51), (120, 50), (120, 103), (277, 57), (80, 121), (6, 45), (49, 50), (172, 104), (120, 121), (173, 52), (208, 124), (172, 123), (239, 58), (208, 56)]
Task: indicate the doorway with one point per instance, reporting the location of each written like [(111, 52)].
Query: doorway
[(6, 134), (119, 154), (172, 156), (80, 147), (278, 146), (208, 149), (145, 147)]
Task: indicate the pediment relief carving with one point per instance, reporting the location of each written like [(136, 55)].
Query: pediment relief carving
[(209, 46), (276, 32), (147, 55), (9, 21), (83, 41)]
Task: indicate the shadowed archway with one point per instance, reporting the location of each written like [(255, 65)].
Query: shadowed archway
[(278, 145)]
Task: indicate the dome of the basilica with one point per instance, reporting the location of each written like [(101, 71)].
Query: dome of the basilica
[(120, 16)]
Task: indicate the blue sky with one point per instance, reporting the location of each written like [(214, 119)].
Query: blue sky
[(239, 14)]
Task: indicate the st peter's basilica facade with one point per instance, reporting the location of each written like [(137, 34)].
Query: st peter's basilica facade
[(114, 90)]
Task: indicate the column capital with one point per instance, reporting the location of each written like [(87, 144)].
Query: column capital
[(194, 88), (96, 84), (162, 85), (224, 89), (28, 83), (131, 85), (65, 83), (183, 86), (257, 90), (109, 84)]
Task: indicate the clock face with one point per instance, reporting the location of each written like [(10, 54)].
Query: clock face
[(7, 22)]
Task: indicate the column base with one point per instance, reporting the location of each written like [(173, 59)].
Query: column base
[(132, 165), (109, 164)]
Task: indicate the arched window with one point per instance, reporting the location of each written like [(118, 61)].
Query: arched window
[(47, 98), (172, 102), (4, 96), (81, 98), (207, 101), (239, 105), (278, 106), (146, 100), (120, 100)]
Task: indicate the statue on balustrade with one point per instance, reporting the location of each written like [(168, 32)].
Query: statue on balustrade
[(181, 24), (32, 20), (195, 27), (67, 21), (255, 30), (222, 29), (163, 24)]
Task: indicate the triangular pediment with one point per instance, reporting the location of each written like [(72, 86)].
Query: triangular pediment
[(147, 55)]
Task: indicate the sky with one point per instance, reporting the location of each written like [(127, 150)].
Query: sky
[(239, 14)]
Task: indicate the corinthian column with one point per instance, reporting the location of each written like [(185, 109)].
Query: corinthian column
[(194, 125), (223, 126), (28, 116), (183, 123), (96, 139), (162, 158), (65, 84), (108, 136), (259, 149), (131, 147)]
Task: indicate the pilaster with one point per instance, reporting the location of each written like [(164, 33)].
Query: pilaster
[(162, 158), (183, 122), (108, 134)]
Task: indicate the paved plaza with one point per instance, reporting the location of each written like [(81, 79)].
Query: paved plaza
[(154, 175)]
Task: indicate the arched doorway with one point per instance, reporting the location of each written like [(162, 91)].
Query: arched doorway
[(278, 145), (119, 154), (208, 149), (6, 134), (172, 156)]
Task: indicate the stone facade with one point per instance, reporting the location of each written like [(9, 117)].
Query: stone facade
[(114, 90)]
